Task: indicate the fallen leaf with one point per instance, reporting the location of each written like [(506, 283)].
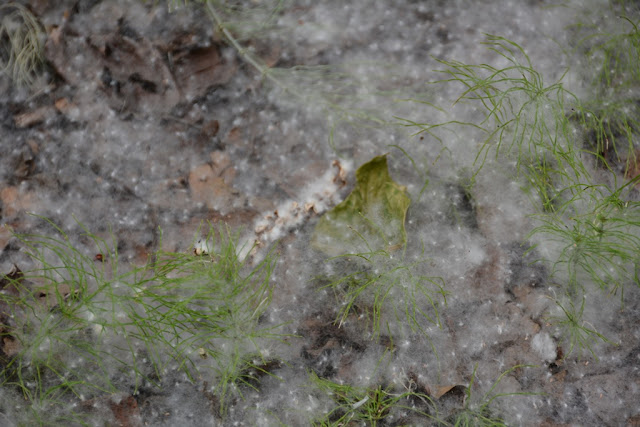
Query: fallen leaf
[(33, 117), (199, 68), (451, 399), (210, 128), (15, 200), (633, 421), (10, 346), (449, 390), (375, 211)]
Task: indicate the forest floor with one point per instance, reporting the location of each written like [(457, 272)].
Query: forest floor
[(144, 124)]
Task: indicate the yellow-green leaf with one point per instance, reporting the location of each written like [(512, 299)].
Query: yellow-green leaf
[(370, 218)]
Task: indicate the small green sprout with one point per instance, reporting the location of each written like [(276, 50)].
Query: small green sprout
[(580, 334)]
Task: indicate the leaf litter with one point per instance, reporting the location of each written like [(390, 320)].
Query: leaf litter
[(194, 91)]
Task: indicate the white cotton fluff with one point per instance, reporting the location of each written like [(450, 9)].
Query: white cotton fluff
[(544, 345), (315, 198)]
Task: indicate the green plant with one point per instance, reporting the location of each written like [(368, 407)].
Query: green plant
[(590, 227), (600, 245), (478, 412), (575, 330), (372, 405), (523, 117), (84, 328), (21, 43), (610, 115), (337, 91), (610, 121), (382, 289), (370, 226), (614, 54), (368, 405)]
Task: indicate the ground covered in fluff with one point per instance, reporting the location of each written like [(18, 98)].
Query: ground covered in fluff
[(340, 213)]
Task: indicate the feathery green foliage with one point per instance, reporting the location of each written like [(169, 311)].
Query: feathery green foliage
[(599, 243), (611, 115), (368, 405), (478, 412), (372, 405), (523, 117), (337, 91), (592, 225), (383, 289), (580, 335), (84, 328)]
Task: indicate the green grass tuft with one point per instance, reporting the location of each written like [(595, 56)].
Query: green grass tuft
[(588, 222), (382, 290), (523, 117), (366, 405), (86, 329), (580, 335), (599, 244), (478, 412)]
